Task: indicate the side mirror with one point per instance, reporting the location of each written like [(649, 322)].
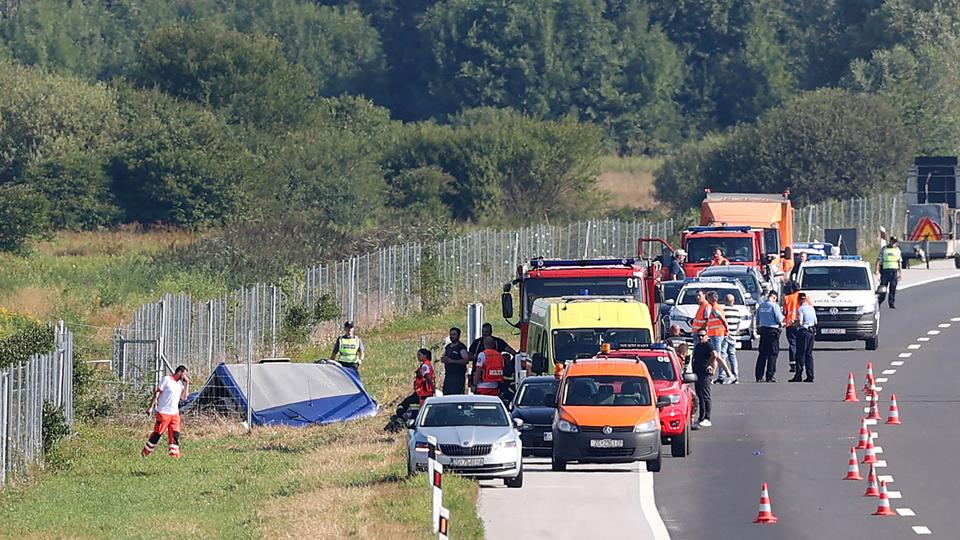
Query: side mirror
[(670, 302), (506, 301), (663, 401), (517, 422), (550, 400), (539, 363), (689, 378)]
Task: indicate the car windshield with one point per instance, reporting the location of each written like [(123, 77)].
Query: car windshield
[(585, 343), (736, 249), (834, 278), (593, 286), (532, 394), (689, 295), (607, 390), (660, 367), (464, 414), (748, 280)]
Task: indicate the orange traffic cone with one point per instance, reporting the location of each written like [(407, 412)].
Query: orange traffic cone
[(870, 378), (853, 471), (884, 508), (872, 490), (869, 456), (868, 381), (864, 434), (894, 417), (765, 514), (874, 413), (851, 389)]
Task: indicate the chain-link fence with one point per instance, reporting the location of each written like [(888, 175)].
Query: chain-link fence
[(24, 388), (866, 214)]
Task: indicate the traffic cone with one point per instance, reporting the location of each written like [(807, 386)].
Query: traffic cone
[(853, 471), (868, 381), (894, 417), (872, 490), (869, 456), (864, 434), (851, 389), (884, 508), (874, 408), (765, 513)]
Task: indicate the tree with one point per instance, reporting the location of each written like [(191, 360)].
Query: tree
[(23, 216), (246, 76)]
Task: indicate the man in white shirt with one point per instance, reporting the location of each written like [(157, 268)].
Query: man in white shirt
[(166, 403)]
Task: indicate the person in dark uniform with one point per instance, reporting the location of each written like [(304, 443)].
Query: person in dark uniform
[(806, 337), (455, 359), (769, 322), (705, 358)]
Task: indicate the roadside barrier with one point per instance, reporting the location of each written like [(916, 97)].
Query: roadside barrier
[(894, 417), (765, 513), (444, 524), (851, 389), (853, 471)]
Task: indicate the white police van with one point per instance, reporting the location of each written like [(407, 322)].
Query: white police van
[(843, 292)]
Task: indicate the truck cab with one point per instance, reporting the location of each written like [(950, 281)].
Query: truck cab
[(739, 245), (843, 292)]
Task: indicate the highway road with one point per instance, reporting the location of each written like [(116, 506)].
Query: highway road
[(794, 436)]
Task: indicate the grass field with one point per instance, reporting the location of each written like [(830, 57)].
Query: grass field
[(629, 181)]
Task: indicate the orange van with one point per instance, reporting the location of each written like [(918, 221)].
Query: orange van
[(607, 412)]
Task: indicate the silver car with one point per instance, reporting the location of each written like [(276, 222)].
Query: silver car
[(475, 437)]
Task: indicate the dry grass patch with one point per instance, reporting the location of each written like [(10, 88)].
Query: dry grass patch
[(126, 239), (38, 302)]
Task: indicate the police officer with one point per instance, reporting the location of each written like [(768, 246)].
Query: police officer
[(348, 350), (806, 337), (888, 264), (769, 321)]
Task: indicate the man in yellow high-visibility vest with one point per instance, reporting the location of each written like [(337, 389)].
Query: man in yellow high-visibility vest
[(348, 350), (889, 266)]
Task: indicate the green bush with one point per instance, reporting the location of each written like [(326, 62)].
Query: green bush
[(326, 309), (54, 426), (22, 337), (23, 216)]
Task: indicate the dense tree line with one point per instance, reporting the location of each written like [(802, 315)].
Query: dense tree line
[(358, 118)]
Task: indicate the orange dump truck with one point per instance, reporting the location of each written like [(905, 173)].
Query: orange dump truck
[(773, 214)]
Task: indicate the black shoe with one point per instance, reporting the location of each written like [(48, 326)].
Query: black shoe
[(893, 307), (808, 379), (759, 380), (796, 379), (793, 368), (772, 379)]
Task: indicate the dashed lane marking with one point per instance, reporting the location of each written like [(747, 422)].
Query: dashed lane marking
[(932, 332), (879, 389), (882, 379), (943, 325), (896, 363), (873, 434), (894, 495), (923, 339), (871, 421), (889, 372), (920, 529), (955, 319), (914, 346), (881, 463), (866, 410), (878, 449), (905, 355), (888, 478), (906, 512)]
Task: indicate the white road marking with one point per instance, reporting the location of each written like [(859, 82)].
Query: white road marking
[(905, 355), (914, 346), (932, 332), (877, 449), (879, 388), (649, 507), (866, 409), (923, 339), (881, 463), (943, 325), (920, 529), (882, 379), (894, 494), (896, 363), (888, 478), (926, 281), (874, 434), (871, 421), (889, 372), (955, 319), (905, 512)]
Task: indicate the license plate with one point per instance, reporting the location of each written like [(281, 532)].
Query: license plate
[(606, 443), (466, 462), (548, 436), (833, 330)]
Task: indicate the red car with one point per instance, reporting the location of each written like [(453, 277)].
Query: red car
[(666, 369)]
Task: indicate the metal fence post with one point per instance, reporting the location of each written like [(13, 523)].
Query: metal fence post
[(4, 423), (249, 380), (273, 321)]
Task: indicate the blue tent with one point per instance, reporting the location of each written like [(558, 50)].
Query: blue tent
[(285, 393)]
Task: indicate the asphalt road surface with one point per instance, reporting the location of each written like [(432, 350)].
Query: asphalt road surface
[(794, 436)]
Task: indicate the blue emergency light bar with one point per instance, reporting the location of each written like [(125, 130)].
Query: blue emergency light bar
[(545, 263), (642, 346), (711, 279), (710, 228), (834, 258), (812, 245)]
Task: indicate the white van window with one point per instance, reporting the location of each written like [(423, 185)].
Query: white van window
[(834, 278)]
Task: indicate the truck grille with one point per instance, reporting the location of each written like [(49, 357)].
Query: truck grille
[(457, 450), (847, 313)]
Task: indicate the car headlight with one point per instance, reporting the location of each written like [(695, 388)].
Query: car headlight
[(674, 398), (646, 427), (505, 444), (567, 427), (861, 310)]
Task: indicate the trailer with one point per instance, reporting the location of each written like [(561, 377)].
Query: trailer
[(932, 228)]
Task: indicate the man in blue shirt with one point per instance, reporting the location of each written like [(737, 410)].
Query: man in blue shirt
[(806, 336), (769, 321)]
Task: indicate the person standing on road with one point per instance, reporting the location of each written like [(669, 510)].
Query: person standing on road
[(790, 305), (166, 403), (348, 349), (710, 319), (806, 337), (769, 321), (889, 265), (705, 358), (729, 348), (455, 359)]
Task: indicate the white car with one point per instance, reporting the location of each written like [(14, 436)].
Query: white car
[(843, 292), (684, 309), (475, 434)]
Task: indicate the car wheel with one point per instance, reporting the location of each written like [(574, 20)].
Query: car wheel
[(956, 262), (556, 463), (872, 343), (654, 465), (680, 446), (516, 481)]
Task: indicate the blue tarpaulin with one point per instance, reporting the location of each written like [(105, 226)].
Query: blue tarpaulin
[(285, 393)]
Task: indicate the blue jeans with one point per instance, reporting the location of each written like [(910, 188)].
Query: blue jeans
[(720, 345), (730, 353)]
